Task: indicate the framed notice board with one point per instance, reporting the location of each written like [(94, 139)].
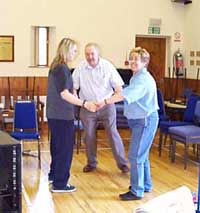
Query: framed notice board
[(6, 48)]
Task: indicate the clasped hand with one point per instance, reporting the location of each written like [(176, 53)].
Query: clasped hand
[(93, 106)]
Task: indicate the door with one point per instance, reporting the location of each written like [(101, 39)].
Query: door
[(157, 49)]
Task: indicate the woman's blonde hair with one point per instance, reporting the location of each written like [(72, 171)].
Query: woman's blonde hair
[(62, 51), (144, 55)]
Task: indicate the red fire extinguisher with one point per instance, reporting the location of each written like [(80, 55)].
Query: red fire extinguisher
[(126, 62), (178, 63)]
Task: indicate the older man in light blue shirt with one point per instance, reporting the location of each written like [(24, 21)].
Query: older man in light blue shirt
[(97, 79), (96, 83)]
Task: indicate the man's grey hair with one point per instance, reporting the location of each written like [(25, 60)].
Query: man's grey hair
[(92, 44)]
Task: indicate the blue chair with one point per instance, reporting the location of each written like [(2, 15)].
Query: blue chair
[(188, 119), (79, 128), (121, 120), (187, 92), (198, 198), (161, 112), (25, 125), (187, 135)]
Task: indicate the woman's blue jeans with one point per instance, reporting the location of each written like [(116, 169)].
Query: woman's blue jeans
[(142, 135)]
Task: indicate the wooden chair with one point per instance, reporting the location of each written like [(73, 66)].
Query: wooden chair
[(40, 110)]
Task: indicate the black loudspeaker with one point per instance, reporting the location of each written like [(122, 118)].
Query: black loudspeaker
[(182, 1), (10, 174)]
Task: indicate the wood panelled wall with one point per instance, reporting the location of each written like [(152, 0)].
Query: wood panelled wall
[(19, 84), (169, 90)]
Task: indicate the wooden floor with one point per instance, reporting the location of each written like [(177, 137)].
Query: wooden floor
[(97, 192)]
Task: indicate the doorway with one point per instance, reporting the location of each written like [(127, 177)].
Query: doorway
[(157, 50)]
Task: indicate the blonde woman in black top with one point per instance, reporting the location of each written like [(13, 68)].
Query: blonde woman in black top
[(60, 115)]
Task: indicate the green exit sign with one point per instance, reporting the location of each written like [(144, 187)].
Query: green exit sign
[(154, 30)]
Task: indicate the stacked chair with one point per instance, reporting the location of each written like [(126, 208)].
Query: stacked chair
[(161, 112), (188, 119), (187, 135)]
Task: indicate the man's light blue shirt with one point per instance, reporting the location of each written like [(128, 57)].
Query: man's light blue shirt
[(140, 96), (97, 83)]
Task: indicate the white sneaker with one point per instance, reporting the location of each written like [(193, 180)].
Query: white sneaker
[(50, 182), (67, 188)]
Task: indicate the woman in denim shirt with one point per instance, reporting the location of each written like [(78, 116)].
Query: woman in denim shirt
[(140, 108)]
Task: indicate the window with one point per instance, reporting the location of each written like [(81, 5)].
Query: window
[(41, 45)]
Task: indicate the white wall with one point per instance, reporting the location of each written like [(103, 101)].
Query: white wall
[(192, 35), (111, 23)]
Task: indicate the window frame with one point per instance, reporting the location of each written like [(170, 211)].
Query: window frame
[(36, 49)]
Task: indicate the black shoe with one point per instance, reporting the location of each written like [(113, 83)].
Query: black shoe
[(129, 196), (88, 168), (144, 190), (124, 169)]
